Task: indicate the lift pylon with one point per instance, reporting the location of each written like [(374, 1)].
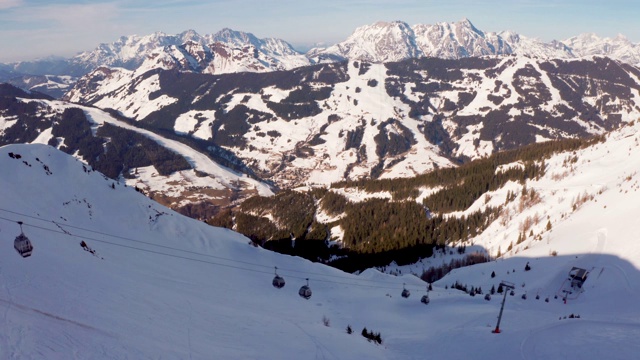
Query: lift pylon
[(506, 286)]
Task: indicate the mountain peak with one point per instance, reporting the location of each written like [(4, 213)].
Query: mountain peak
[(379, 42), (390, 23), (465, 21), (238, 38), (466, 24), (190, 35)]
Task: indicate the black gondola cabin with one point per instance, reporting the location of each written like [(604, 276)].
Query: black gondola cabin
[(305, 291), (22, 244)]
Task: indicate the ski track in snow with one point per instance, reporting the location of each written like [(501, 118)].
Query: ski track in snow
[(25, 309), (320, 348)]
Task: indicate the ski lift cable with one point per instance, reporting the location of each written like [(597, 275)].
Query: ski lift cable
[(130, 247), (183, 250), (200, 260), (139, 241)]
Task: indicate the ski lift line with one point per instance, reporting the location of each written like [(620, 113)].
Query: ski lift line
[(182, 250), (198, 260), (131, 239), (140, 249)]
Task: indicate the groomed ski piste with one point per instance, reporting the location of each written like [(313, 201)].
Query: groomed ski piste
[(157, 285)]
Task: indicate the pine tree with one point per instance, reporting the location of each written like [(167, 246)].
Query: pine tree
[(349, 330), (493, 274), (549, 225)]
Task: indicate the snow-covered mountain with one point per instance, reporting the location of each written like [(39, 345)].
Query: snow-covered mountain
[(380, 42), (394, 41), (355, 120), (150, 283), (224, 52), (192, 180), (457, 40), (53, 85), (617, 48), (229, 51)]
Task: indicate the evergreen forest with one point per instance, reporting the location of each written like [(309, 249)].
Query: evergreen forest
[(378, 231)]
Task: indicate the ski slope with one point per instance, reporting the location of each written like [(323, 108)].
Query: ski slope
[(161, 285)]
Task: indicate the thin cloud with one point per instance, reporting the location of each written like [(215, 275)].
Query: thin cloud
[(8, 4), (71, 15), (56, 29)]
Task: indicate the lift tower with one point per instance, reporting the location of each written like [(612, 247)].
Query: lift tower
[(506, 286)]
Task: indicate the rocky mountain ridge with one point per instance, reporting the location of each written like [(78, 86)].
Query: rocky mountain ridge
[(229, 51)]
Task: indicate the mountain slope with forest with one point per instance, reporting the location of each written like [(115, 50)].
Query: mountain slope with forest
[(175, 172), (353, 120)]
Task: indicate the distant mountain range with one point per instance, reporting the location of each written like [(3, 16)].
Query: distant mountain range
[(229, 51)]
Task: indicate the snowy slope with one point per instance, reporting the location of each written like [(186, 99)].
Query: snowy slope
[(209, 296), (206, 181), (166, 286)]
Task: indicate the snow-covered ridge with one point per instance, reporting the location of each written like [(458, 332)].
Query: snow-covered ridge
[(235, 51), (223, 52), (395, 41), (206, 181)]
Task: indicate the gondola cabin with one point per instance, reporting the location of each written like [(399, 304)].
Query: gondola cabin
[(278, 282), (23, 245), (305, 291), (405, 293)]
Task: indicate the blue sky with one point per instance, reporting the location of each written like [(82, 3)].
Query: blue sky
[(38, 28)]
